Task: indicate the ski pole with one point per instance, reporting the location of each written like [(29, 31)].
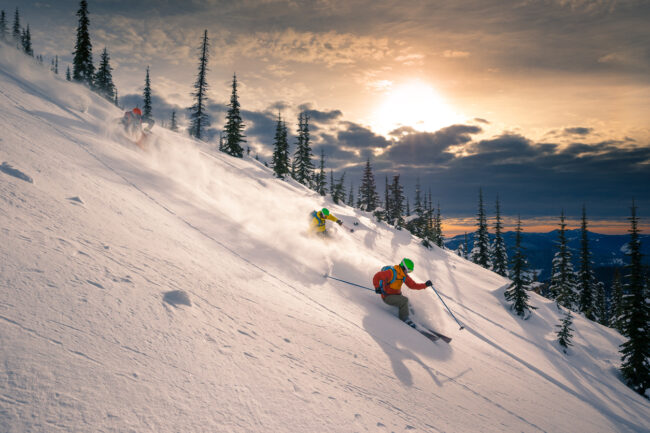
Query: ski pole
[(452, 314), (347, 282)]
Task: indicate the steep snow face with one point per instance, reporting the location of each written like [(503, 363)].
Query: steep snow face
[(177, 289)]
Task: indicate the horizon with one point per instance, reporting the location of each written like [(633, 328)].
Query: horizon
[(544, 105)]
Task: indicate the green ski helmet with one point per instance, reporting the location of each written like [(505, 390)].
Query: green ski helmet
[(325, 211), (407, 265)]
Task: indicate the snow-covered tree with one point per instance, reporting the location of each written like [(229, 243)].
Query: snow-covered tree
[(198, 115), (564, 334), (616, 308), (83, 69), (517, 291), (481, 251), (16, 30), (635, 361), (498, 251), (234, 128), (562, 287), (417, 224)]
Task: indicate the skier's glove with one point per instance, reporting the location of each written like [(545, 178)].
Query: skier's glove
[(429, 283), (377, 290), (339, 222)]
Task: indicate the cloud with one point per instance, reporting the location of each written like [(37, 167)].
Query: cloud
[(359, 137), (579, 130)]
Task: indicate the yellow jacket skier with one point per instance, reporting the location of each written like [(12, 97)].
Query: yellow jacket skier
[(318, 221)]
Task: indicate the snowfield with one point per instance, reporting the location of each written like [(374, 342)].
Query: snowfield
[(177, 290)]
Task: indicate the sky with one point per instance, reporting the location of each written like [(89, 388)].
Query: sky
[(543, 103)]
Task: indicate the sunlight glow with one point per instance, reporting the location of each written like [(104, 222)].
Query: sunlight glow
[(415, 104)]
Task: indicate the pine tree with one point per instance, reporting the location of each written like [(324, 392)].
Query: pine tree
[(499, 252), (104, 77), (174, 124), (481, 251), (636, 316), (600, 304), (368, 195), (616, 311), (16, 33), (234, 128), (466, 242), (146, 96), (564, 335), (440, 239), (396, 200), (563, 284), (338, 191), (198, 115), (68, 76), (351, 195), (3, 26), (417, 224), (116, 101), (83, 69), (517, 291), (26, 40), (303, 166), (55, 65), (280, 161), (586, 279), (320, 181)]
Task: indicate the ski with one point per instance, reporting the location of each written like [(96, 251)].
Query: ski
[(431, 334)]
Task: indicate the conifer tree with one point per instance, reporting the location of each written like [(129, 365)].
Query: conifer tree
[(16, 32), (517, 291), (104, 77), (351, 195), (174, 124), (368, 194), (280, 160), (67, 74), (466, 249), (26, 40), (616, 310), (440, 239), (338, 190), (396, 199), (83, 69), (146, 97), (636, 316), (55, 65), (303, 165), (563, 284), (116, 101), (481, 251), (320, 181), (498, 250), (198, 114), (234, 128), (3, 26), (564, 334), (587, 284), (417, 224)]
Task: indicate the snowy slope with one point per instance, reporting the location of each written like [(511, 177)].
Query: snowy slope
[(100, 242)]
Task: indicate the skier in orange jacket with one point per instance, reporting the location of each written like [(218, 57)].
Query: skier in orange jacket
[(389, 282)]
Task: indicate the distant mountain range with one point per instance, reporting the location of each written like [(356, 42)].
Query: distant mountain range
[(607, 251)]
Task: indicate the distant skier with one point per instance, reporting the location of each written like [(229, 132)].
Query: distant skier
[(132, 122), (389, 281), (318, 221)]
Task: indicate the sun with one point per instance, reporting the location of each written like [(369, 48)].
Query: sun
[(415, 104)]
